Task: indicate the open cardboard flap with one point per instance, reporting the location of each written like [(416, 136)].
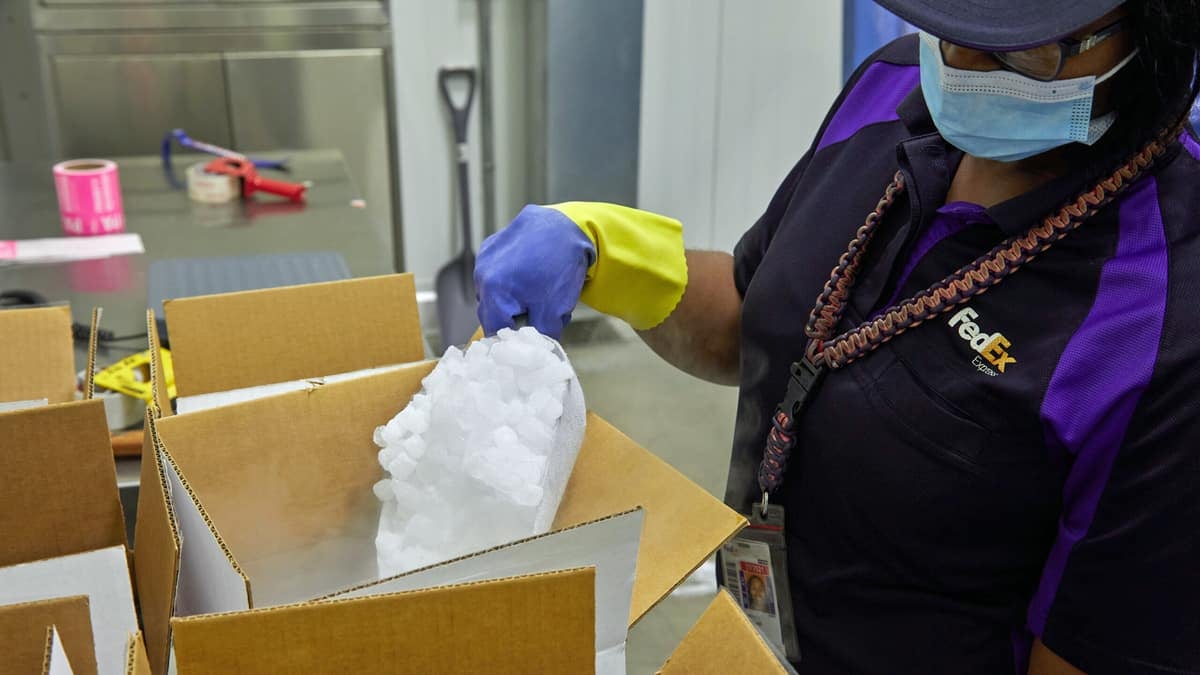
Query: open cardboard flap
[(23, 634), (55, 661), (282, 488), (724, 641), (156, 556), (609, 544), (238, 340), (103, 576), (136, 662), (684, 524), (66, 499), (38, 359), (532, 624)]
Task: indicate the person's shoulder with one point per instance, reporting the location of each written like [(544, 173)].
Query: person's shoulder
[(898, 56), (903, 51), (1177, 195), (873, 95)]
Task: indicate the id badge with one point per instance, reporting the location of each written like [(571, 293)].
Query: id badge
[(754, 568)]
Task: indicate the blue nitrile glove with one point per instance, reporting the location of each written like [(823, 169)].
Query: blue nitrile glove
[(536, 266)]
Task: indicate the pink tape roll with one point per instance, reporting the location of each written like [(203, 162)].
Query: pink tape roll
[(89, 197)]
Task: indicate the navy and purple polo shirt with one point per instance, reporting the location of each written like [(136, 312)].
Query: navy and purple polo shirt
[(1026, 465)]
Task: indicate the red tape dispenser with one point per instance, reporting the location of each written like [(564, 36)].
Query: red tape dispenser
[(252, 182)]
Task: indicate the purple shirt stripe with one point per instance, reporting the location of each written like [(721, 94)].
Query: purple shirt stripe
[(872, 100), (1191, 145), (947, 222), (1089, 403)]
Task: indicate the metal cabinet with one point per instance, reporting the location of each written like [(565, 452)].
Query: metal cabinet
[(110, 77), (343, 97), (121, 105)]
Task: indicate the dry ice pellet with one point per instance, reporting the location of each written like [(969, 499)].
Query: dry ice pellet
[(482, 454)]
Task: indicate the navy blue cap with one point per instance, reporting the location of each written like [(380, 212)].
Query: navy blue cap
[(1000, 25)]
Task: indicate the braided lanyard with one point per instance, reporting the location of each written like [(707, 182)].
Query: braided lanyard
[(827, 352)]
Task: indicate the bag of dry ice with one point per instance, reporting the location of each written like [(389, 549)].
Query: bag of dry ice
[(482, 454)]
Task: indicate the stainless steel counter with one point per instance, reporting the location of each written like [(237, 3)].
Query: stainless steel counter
[(172, 226)]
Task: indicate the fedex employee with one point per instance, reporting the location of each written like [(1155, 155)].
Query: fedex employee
[(982, 426)]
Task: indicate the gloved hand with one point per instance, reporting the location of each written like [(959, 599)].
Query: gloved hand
[(621, 261)]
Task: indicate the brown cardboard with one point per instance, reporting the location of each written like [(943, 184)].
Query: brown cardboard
[(723, 641), (277, 476), (684, 524), (237, 340), (136, 662), (276, 482), (61, 496), (156, 555), (533, 624), (38, 357), (23, 629)]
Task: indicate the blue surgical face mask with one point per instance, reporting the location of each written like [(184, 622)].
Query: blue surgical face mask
[(1002, 115)]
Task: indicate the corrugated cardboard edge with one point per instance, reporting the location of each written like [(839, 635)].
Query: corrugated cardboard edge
[(212, 528), (328, 600), (336, 594), (89, 374), (156, 553), (209, 636), (136, 662), (69, 615), (44, 343), (249, 338), (723, 641), (49, 646), (159, 544), (160, 399)]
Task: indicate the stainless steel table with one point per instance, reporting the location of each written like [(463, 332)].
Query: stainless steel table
[(172, 226)]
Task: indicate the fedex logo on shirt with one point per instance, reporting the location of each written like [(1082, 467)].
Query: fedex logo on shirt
[(992, 347)]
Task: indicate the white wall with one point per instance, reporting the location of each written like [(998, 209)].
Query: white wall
[(432, 33), (732, 95)]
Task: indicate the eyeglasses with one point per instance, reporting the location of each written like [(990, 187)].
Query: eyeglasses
[(1045, 62)]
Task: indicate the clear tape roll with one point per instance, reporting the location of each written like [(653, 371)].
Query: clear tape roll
[(210, 188)]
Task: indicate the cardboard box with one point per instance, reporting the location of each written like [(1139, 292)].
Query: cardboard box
[(38, 358), (103, 576), (724, 641), (608, 545), (269, 501), (532, 624), (60, 511), (234, 341), (23, 628)]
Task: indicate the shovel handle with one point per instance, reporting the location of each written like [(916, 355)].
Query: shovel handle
[(458, 113)]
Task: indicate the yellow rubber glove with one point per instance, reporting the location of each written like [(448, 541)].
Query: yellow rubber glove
[(639, 272)]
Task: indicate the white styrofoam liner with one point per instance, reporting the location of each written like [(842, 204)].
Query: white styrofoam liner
[(23, 405), (187, 404), (59, 663), (610, 545), (207, 580), (103, 576)]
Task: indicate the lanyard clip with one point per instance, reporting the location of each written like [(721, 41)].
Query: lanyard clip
[(806, 377)]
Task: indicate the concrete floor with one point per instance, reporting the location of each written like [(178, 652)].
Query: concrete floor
[(685, 421)]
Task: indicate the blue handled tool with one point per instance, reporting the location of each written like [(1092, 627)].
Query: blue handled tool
[(180, 136)]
